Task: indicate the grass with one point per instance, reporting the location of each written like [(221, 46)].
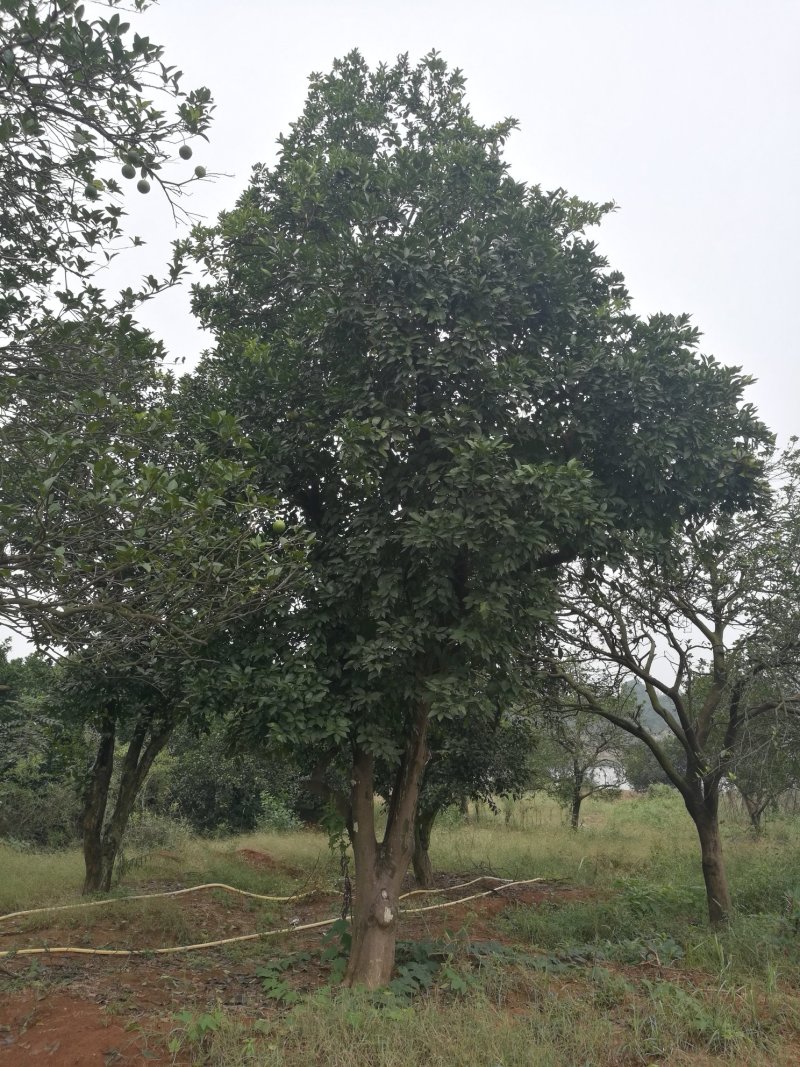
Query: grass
[(620, 969)]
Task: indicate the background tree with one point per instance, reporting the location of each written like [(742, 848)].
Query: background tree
[(582, 756), (442, 378), (216, 789), (39, 752), (711, 629), (767, 765), (640, 767), (470, 760)]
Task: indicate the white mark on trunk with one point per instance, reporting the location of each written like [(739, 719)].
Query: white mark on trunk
[(355, 827), (387, 915)]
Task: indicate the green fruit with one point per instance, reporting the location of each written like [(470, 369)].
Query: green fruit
[(143, 185), (200, 172), (132, 157), (185, 152), (129, 171), (278, 526), (91, 192)]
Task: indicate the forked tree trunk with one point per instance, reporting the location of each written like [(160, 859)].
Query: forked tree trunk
[(381, 866), (101, 838), (755, 809), (421, 860), (718, 897)]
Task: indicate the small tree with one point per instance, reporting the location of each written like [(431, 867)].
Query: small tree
[(444, 381), (470, 760), (767, 765), (584, 759), (712, 629)]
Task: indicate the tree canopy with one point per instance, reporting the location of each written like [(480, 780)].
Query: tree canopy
[(117, 525)]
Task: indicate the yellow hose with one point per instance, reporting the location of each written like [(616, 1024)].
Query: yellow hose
[(70, 950), (228, 889), (149, 896)]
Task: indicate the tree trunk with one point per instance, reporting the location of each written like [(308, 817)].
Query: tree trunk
[(755, 809), (421, 860), (375, 913), (718, 895), (95, 800), (578, 795), (381, 866), (575, 816), (102, 843)]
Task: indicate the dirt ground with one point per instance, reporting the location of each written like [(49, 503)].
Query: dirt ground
[(94, 1011)]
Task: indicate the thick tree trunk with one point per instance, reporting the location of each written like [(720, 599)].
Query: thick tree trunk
[(718, 895), (381, 866), (421, 860), (95, 800), (102, 842), (375, 914)]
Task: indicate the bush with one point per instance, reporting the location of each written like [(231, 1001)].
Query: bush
[(46, 817), (218, 792), (276, 816)]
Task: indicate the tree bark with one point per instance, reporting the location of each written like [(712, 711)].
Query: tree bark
[(577, 796), (103, 838), (575, 816), (381, 866), (421, 860), (95, 800), (718, 895)]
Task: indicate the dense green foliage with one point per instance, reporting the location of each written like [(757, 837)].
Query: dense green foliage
[(444, 381)]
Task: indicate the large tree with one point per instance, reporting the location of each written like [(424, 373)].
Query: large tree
[(444, 381)]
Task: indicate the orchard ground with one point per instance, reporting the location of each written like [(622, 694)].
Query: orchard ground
[(607, 960)]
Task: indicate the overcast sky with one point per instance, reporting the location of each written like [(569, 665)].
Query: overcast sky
[(683, 112)]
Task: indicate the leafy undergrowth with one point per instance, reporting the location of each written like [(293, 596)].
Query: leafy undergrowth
[(607, 961)]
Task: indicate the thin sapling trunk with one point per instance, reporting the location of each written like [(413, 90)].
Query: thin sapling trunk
[(421, 860)]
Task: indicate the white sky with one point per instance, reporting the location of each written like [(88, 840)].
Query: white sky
[(683, 112)]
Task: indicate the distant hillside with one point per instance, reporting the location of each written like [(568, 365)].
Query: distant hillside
[(649, 719)]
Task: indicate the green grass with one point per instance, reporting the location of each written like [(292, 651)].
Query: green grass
[(625, 972), (347, 1029), (30, 879)]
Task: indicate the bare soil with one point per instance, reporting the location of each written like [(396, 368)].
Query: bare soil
[(78, 1011)]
